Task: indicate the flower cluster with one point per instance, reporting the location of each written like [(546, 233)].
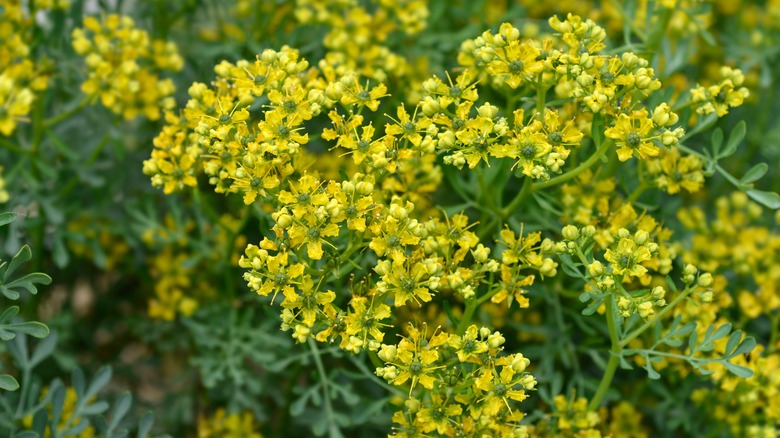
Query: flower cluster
[(224, 425), (357, 254), (4, 196), (357, 35), (718, 98), (67, 422), (736, 241), (123, 66), (176, 267), (470, 383), (21, 78)]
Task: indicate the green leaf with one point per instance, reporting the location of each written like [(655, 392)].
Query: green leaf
[(735, 138), (732, 343), (77, 382), (8, 383), (22, 256), (44, 349), (7, 217), (145, 425), (721, 332), (738, 370), (95, 408), (768, 199), (651, 372), (745, 347), (755, 173), (9, 313), (592, 307), (40, 421), (57, 403), (670, 282), (27, 283), (121, 407), (597, 129), (717, 141), (100, 380), (702, 125), (298, 406), (32, 328)]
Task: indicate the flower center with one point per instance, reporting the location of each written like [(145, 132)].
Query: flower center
[(500, 390), (516, 66)]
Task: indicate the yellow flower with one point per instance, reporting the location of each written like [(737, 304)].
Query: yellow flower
[(224, 425), (469, 344), (632, 135), (413, 359), (279, 276), (408, 127), (312, 232), (308, 300), (405, 279), (15, 103), (500, 387), (628, 258), (674, 172)]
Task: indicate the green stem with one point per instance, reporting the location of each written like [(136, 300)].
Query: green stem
[(37, 138), (73, 182), (614, 357), (14, 148), (625, 18), (23, 391), (541, 95), (487, 193), (229, 245), (773, 336), (637, 193), (655, 37), (522, 195), (51, 121), (587, 164), (471, 306), (483, 299), (332, 428), (631, 336)]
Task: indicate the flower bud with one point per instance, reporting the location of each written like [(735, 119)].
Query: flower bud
[(387, 353), (705, 280), (495, 340), (570, 232), (519, 363), (480, 253), (588, 231), (641, 236)]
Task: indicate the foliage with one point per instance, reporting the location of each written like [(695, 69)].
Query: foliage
[(482, 218)]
